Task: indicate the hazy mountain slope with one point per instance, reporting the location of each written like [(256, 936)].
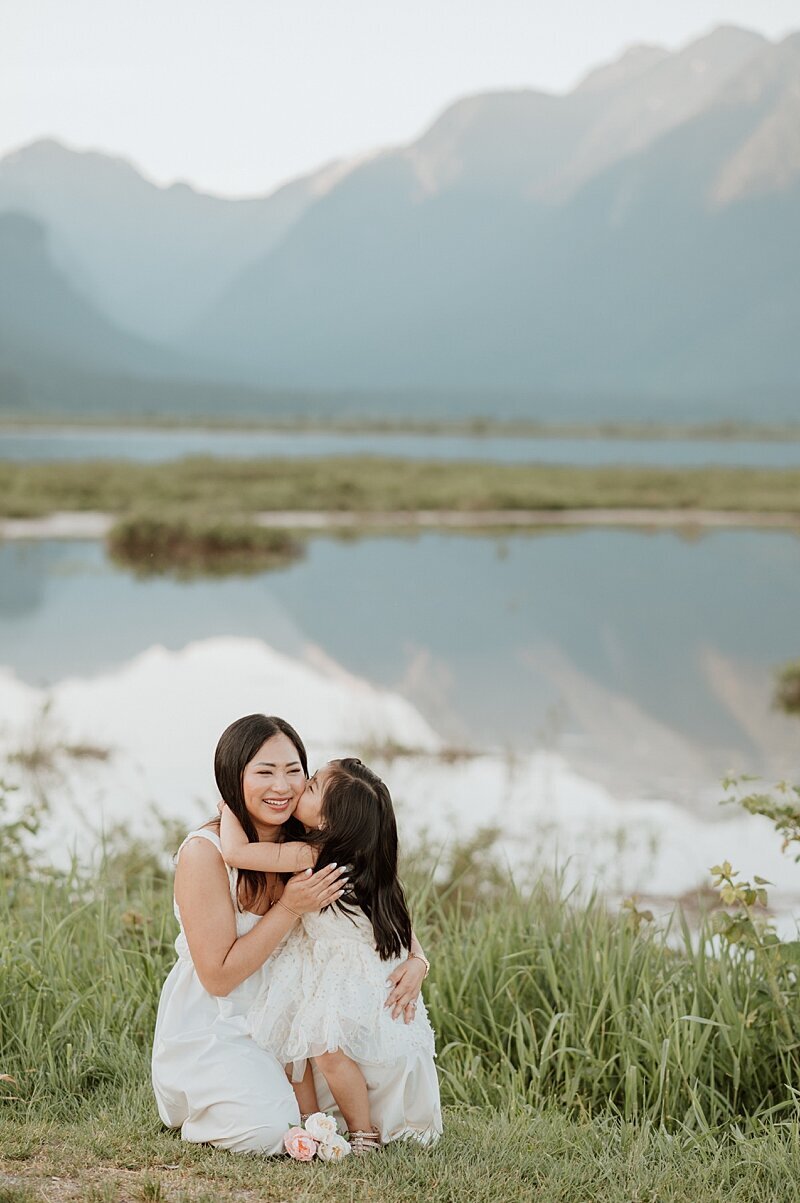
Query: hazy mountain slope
[(452, 264), (544, 145), (42, 315), (664, 270), (633, 108), (58, 354), (629, 249), (151, 258), (768, 161)]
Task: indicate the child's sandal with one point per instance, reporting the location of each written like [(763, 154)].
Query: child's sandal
[(365, 1142)]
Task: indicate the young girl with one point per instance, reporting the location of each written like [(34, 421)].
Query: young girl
[(325, 996)]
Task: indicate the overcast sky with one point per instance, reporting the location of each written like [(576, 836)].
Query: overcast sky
[(236, 96)]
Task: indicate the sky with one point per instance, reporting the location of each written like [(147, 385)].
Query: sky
[(237, 96)]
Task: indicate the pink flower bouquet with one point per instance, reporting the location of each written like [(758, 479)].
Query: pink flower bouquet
[(318, 1138)]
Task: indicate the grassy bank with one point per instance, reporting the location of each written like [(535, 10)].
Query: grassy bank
[(198, 515), (204, 487), (582, 1053), (534, 1002), (113, 1150)]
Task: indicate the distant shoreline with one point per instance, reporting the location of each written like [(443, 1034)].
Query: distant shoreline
[(221, 511), (80, 525), (477, 428)]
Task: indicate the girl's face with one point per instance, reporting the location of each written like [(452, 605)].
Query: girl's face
[(272, 782), (309, 808)]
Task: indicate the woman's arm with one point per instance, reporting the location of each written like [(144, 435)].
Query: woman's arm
[(238, 851), (223, 960), (406, 982)]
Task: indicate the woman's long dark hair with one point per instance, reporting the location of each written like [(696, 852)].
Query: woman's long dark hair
[(359, 829), (237, 746)]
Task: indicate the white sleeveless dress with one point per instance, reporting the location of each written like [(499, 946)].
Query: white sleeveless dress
[(210, 1078), (326, 990)]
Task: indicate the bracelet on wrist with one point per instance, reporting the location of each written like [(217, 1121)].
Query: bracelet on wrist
[(280, 902), (417, 956)]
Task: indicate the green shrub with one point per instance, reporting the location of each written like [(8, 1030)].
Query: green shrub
[(186, 546)]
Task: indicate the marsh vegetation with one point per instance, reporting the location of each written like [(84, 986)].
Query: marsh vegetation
[(205, 487), (205, 546), (584, 1052)]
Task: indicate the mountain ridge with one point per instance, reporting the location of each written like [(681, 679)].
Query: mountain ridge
[(628, 243), (332, 292)]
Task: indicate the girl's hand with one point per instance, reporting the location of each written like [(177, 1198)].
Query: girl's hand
[(307, 892), (296, 856), (406, 982), (307, 857), (232, 838)]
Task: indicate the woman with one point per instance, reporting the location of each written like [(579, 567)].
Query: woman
[(210, 1078)]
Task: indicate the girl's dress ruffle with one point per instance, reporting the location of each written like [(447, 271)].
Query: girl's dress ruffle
[(327, 991)]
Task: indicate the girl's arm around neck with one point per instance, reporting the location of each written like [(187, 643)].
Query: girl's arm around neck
[(263, 856)]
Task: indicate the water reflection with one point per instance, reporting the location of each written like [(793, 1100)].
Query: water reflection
[(644, 656)]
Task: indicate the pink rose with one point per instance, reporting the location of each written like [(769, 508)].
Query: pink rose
[(299, 1144)]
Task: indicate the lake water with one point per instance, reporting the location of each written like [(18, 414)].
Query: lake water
[(154, 446), (647, 659)]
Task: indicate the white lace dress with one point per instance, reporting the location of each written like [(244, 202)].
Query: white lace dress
[(210, 1078), (326, 990)]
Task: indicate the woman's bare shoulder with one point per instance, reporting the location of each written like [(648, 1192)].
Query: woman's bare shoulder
[(201, 878), (198, 853)]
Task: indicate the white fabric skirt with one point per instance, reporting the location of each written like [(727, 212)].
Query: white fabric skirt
[(210, 1078), (325, 991)]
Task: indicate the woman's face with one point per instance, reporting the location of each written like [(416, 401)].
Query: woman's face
[(309, 807), (272, 782)]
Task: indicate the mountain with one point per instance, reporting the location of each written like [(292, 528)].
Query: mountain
[(152, 258), (634, 242), (546, 146), (630, 249), (43, 318), (646, 94), (59, 354)]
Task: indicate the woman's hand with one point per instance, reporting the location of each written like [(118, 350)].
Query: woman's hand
[(307, 891), (406, 982)]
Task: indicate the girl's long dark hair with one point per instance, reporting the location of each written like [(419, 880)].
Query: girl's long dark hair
[(359, 829), (237, 746)]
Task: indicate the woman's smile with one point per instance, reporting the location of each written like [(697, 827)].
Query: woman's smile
[(278, 805), (272, 782)]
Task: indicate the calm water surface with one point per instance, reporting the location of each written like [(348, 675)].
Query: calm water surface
[(647, 655), (153, 446)]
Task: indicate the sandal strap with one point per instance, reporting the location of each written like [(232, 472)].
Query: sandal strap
[(365, 1141)]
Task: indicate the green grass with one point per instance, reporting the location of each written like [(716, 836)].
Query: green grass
[(204, 487), (195, 516), (583, 1054), (185, 547), (112, 1150), (787, 690), (533, 999)]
